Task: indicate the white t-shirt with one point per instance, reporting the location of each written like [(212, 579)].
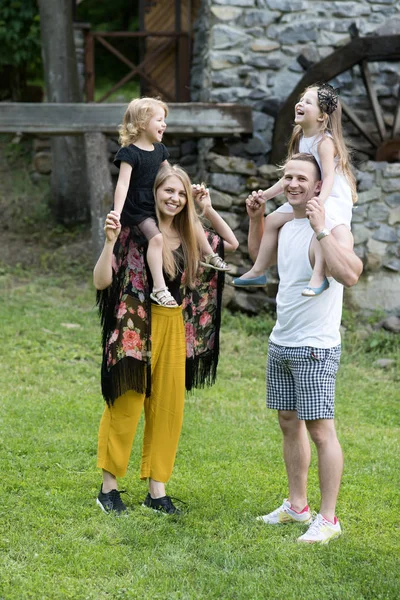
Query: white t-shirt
[(339, 205), (303, 321)]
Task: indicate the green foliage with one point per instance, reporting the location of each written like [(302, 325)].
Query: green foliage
[(260, 325), (126, 93), (19, 33), (383, 342), (37, 241), (362, 335), (118, 15)]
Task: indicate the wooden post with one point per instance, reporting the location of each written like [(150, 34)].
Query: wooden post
[(100, 187), (68, 182), (89, 66), (183, 70)]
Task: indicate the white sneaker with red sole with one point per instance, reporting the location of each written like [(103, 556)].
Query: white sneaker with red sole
[(321, 531), (286, 514)]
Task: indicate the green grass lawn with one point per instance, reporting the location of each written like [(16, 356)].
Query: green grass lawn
[(55, 543)]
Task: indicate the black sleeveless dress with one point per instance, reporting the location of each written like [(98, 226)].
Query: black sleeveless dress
[(139, 204)]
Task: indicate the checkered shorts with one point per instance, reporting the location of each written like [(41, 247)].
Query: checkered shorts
[(302, 379)]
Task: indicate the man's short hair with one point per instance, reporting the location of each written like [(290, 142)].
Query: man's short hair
[(304, 157)]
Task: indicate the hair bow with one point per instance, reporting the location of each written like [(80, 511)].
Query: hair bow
[(328, 98)]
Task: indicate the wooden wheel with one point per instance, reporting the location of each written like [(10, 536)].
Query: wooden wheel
[(384, 144)]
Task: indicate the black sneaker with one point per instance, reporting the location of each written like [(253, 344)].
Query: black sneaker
[(163, 505), (111, 502)]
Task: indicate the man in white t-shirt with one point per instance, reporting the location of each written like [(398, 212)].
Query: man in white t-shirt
[(304, 346)]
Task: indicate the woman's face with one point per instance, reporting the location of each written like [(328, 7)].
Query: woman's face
[(171, 197)]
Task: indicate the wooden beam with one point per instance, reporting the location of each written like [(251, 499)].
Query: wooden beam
[(139, 69), (358, 124), (373, 98), (100, 187), (89, 66), (396, 123), (189, 119), (371, 49)]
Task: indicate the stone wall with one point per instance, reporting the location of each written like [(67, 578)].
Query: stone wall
[(375, 225), (376, 219), (376, 230), (246, 51)]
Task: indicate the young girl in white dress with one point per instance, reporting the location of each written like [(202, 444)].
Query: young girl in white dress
[(318, 131)]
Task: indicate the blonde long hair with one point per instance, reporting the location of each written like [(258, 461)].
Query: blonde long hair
[(137, 117), (185, 224), (331, 124)]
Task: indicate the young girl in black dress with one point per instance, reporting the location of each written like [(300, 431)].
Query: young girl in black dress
[(138, 160)]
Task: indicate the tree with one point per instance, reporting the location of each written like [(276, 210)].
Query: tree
[(68, 180), (20, 47)]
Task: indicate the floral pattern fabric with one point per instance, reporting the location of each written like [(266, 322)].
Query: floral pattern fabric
[(126, 319)]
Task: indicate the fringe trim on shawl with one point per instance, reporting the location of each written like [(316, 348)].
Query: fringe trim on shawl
[(201, 370), (131, 374), (127, 374)]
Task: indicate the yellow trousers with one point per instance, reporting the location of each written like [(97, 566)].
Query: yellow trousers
[(163, 410)]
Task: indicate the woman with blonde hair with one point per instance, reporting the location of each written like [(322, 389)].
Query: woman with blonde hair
[(151, 353)]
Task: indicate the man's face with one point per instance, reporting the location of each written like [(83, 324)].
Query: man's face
[(300, 183)]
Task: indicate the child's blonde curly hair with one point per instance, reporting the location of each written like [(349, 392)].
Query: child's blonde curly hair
[(137, 117)]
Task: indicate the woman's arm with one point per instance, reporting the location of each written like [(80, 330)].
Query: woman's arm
[(202, 198), (326, 150), (102, 273), (122, 187)]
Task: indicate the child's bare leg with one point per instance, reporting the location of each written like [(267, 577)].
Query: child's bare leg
[(318, 282), (155, 262), (160, 292), (267, 252), (212, 260), (318, 274)]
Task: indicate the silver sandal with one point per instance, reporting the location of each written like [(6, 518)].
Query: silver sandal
[(213, 261), (162, 297)]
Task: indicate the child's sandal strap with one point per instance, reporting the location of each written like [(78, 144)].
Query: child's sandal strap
[(163, 297), (214, 261)]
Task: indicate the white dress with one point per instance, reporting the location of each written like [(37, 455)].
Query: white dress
[(339, 205)]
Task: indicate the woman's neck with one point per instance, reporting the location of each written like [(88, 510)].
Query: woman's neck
[(170, 233)]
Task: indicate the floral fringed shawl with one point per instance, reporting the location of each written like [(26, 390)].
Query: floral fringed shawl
[(125, 313)]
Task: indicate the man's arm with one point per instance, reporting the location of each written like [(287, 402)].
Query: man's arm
[(337, 248)]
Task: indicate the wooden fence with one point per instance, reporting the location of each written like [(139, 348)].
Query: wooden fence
[(186, 120)]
